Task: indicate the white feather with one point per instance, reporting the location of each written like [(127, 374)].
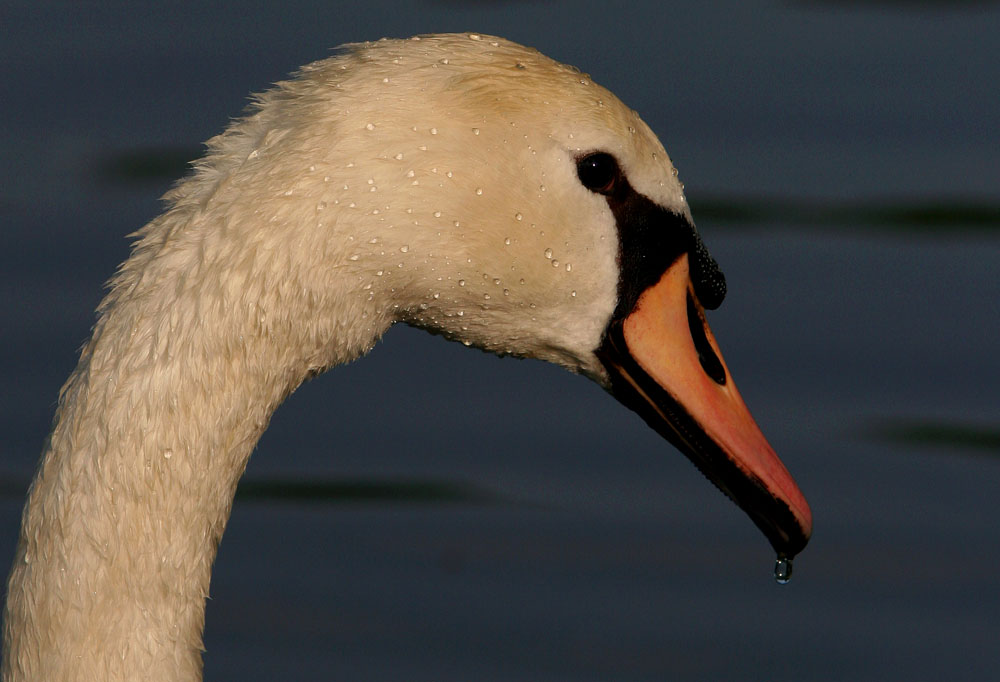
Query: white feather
[(430, 181)]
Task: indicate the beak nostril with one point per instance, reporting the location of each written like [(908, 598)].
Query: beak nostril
[(707, 356)]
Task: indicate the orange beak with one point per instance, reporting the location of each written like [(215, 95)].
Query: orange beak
[(664, 363)]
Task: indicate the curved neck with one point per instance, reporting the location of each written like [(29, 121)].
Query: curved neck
[(153, 431)]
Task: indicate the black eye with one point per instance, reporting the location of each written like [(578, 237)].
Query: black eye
[(598, 172)]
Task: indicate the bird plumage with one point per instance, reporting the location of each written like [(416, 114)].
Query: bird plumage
[(429, 181)]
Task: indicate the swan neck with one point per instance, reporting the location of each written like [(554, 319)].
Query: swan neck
[(153, 431)]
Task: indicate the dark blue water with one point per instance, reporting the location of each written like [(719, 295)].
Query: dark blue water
[(582, 546)]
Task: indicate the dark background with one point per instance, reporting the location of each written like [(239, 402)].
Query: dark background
[(433, 513)]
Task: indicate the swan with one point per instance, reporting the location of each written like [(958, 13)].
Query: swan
[(459, 183)]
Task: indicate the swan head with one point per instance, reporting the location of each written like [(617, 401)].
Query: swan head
[(475, 188)]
